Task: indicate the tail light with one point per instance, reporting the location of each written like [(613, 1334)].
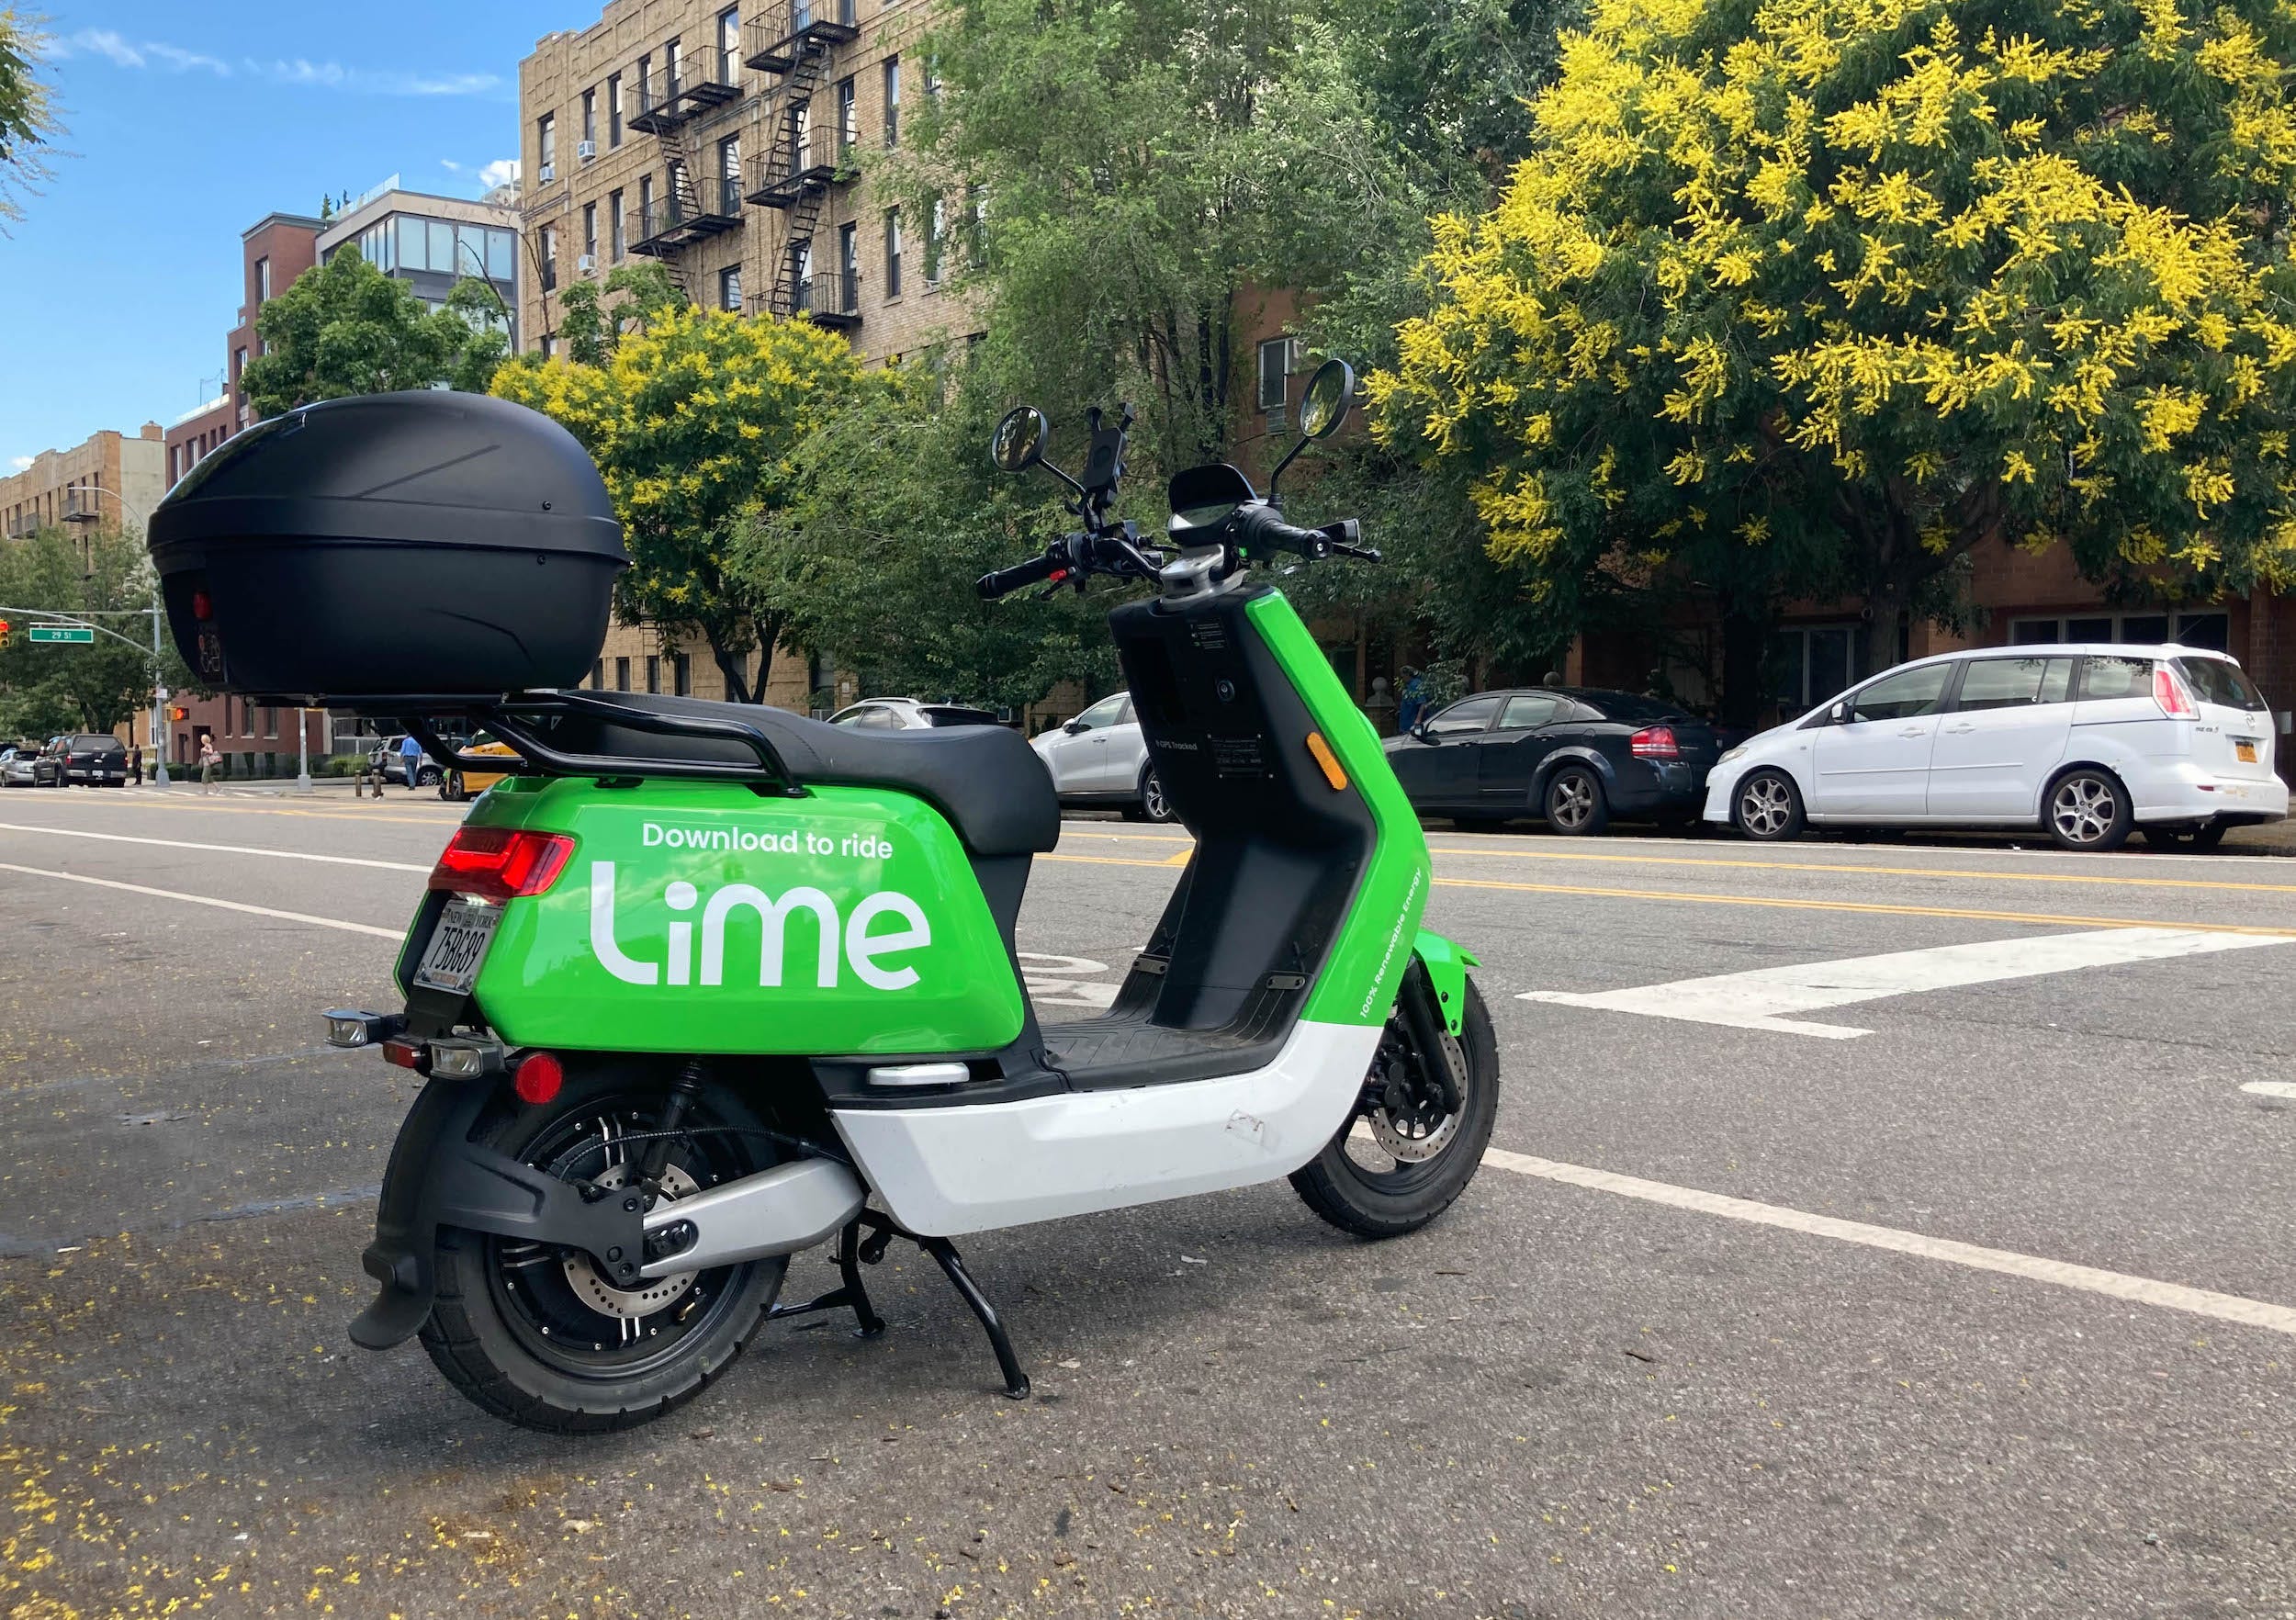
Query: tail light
[(1655, 742), (2169, 691), (500, 863)]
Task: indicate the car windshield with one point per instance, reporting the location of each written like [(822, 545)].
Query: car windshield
[(2221, 682)]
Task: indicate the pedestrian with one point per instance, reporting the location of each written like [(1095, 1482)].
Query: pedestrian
[(135, 762), (410, 755), (208, 760), (1411, 703)]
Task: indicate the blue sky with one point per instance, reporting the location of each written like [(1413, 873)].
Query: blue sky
[(184, 125)]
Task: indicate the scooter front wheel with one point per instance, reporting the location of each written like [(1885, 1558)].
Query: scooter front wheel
[(533, 1333), (1403, 1156)]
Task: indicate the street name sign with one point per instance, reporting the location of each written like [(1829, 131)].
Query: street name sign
[(79, 634)]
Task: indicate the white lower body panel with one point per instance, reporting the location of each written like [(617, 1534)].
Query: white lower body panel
[(942, 1172)]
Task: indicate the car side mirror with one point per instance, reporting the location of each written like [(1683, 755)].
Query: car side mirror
[(1075, 725), (1839, 715), (1418, 730)]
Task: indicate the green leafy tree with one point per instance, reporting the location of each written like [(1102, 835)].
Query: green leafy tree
[(1799, 297), (346, 328), (27, 117), (48, 688), (693, 418), (893, 511), (590, 326)]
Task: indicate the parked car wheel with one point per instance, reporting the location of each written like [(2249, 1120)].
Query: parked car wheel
[(1154, 806), (1767, 806), (1574, 802), (451, 788), (2088, 810)]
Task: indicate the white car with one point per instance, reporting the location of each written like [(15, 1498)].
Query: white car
[(909, 714), (2084, 742), (1099, 760)]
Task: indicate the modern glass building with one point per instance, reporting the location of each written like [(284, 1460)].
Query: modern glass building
[(431, 243)]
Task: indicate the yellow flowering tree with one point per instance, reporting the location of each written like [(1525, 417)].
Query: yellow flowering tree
[(693, 418), (1799, 297)]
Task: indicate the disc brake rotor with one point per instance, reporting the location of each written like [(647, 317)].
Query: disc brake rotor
[(653, 1294), (1411, 1142)]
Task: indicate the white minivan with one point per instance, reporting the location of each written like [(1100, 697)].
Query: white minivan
[(2086, 742)]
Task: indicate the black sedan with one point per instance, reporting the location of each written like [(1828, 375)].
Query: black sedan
[(1575, 756)]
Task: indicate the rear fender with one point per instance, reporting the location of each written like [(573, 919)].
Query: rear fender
[(438, 1177), (1445, 966)]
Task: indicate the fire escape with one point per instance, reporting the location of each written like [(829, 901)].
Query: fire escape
[(806, 156), (672, 105)]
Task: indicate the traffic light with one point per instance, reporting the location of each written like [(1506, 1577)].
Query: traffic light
[(178, 712), (3, 633)]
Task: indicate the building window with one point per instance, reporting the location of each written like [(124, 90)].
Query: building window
[(645, 84), (590, 118), (681, 674), (597, 675), (728, 45), (263, 281), (848, 267), (669, 64), (1275, 380), (613, 110), (550, 346), (936, 226), (590, 232), (893, 101), (271, 723), (644, 207), (729, 176), (893, 252), (848, 116), (653, 674), (2210, 628), (729, 297), (1809, 663), (622, 674), (613, 223), (546, 140), (549, 257)]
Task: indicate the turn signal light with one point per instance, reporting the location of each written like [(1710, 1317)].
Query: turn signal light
[(500, 863), (2169, 694), (538, 1078), (1655, 742), (1326, 762)]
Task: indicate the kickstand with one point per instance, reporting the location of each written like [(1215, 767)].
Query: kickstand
[(942, 1251), (849, 1291)]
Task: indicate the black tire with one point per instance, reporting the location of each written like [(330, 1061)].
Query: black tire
[(1573, 803), (1384, 1204), (426, 776), (1154, 806), (1767, 807), (487, 1331), (450, 788), (2086, 810)]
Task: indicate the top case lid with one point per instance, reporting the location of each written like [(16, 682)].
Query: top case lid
[(432, 466)]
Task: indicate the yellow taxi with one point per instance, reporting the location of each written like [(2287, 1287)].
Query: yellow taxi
[(459, 785)]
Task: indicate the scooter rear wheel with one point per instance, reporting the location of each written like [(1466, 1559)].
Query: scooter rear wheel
[(1389, 1171), (533, 1334)]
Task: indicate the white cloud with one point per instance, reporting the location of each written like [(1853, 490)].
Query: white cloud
[(497, 171), (21, 463), (123, 52)]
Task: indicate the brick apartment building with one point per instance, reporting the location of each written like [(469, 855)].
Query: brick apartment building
[(109, 478), (719, 140)]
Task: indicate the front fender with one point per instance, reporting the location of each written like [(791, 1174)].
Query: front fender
[(1447, 967)]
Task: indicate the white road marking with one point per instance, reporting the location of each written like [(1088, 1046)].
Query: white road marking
[(1037, 968), (1758, 998), (2139, 1291), (74, 832), (2270, 1088), (299, 916)]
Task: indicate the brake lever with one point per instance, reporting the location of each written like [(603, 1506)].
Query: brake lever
[(1360, 553)]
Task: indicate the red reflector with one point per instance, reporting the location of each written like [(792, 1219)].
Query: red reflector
[(1655, 742), (201, 608), (500, 863), (539, 1078), (2169, 694), (406, 1054)]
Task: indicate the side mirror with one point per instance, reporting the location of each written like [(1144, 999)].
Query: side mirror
[(1839, 715), (1330, 392), (1075, 725), (1322, 406), (1418, 730), (1019, 440)]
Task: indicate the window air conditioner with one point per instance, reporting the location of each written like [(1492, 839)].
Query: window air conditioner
[(549, 173), (586, 150), (587, 264)]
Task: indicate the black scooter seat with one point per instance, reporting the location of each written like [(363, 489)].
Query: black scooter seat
[(985, 779)]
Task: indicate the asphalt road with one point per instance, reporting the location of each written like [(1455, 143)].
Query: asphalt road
[(2002, 1320)]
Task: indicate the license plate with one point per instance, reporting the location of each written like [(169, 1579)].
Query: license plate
[(2246, 752), (458, 947)]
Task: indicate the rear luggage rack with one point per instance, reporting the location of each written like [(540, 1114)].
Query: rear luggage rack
[(511, 719)]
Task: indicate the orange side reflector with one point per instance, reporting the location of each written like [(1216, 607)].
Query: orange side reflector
[(1328, 760)]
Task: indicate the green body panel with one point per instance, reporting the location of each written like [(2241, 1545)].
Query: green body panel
[(1447, 967), (846, 921), (1359, 979)]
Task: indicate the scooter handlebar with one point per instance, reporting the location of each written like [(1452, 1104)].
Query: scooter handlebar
[(1052, 565)]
